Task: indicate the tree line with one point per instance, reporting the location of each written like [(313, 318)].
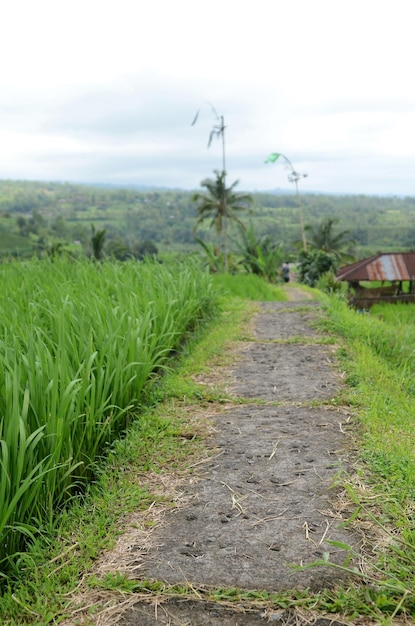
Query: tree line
[(37, 216)]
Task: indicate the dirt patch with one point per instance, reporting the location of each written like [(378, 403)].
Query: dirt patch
[(296, 373), (260, 506)]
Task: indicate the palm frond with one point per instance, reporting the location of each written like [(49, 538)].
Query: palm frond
[(195, 119), (215, 113)]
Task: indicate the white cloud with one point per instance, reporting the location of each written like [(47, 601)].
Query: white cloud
[(107, 90)]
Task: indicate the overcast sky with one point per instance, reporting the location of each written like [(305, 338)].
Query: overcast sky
[(105, 91)]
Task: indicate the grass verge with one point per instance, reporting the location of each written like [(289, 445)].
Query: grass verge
[(377, 356)]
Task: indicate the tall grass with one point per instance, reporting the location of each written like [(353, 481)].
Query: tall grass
[(379, 360), (80, 343), (249, 287)]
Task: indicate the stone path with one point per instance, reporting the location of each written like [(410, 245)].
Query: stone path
[(262, 504)]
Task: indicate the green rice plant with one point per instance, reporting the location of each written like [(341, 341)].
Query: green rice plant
[(396, 315), (20, 475), (80, 345), (393, 341)]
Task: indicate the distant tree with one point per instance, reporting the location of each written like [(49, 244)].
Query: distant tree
[(329, 284), (22, 226), (58, 227), (146, 248), (220, 204), (55, 249), (313, 264), (408, 239), (118, 249), (98, 243), (359, 236), (34, 224)]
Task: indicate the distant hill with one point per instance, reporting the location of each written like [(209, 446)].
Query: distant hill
[(38, 214)]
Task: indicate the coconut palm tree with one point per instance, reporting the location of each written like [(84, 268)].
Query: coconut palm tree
[(220, 204), (323, 237)]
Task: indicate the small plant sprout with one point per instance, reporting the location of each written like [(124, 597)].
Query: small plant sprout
[(293, 177)]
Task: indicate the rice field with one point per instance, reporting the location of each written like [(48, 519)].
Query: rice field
[(80, 345)]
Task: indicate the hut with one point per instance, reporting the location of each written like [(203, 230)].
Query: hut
[(393, 272)]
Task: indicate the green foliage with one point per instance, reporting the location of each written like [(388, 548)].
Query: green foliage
[(398, 316), (31, 225), (118, 249), (323, 237), (14, 245), (260, 255), (328, 284), (213, 259), (98, 243), (219, 203), (144, 249), (313, 264), (167, 217)]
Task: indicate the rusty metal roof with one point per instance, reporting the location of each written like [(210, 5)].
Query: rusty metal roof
[(389, 266)]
